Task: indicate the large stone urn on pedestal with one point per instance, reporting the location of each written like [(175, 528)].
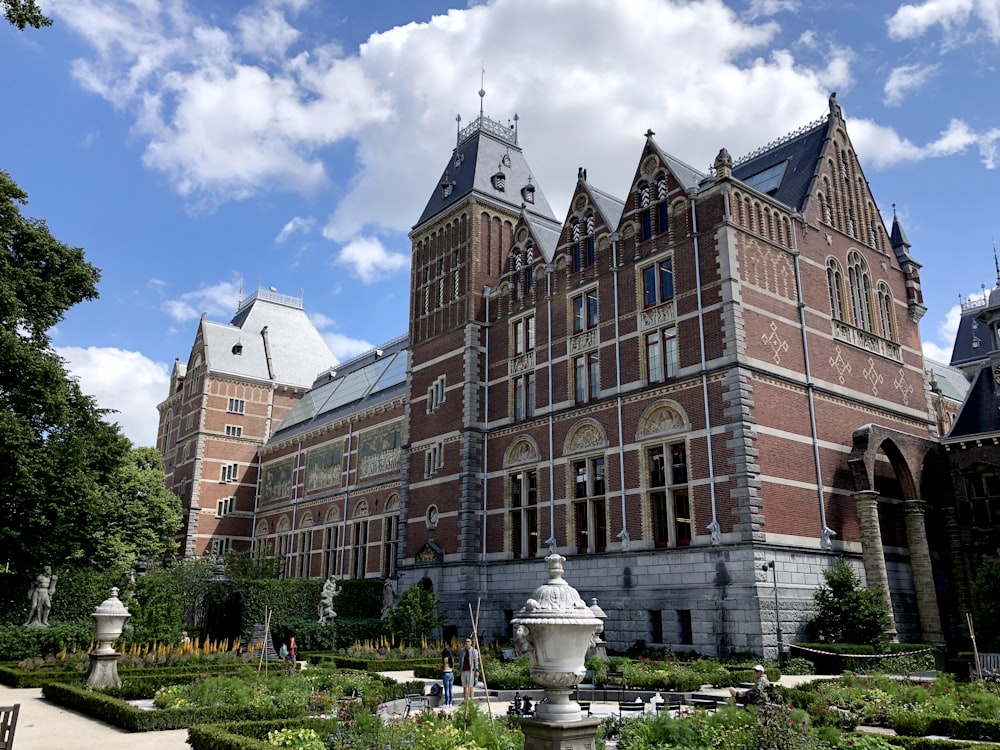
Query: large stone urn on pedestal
[(110, 617), (555, 628)]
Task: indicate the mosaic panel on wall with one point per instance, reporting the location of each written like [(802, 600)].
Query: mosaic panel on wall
[(324, 468), (379, 451), (277, 484)]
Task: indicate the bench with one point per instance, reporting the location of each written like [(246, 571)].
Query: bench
[(587, 684), (631, 708), (415, 700), (8, 723), (615, 679), (585, 706)]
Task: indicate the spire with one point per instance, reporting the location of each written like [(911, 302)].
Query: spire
[(898, 237), (482, 87), (996, 263)]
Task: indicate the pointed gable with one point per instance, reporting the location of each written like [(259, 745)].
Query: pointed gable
[(487, 163)]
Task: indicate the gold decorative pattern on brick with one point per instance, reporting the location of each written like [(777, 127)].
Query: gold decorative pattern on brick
[(904, 388), (775, 343), (873, 376), (840, 364)]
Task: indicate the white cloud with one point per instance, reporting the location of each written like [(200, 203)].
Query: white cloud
[(938, 353), (297, 224), (218, 301), (911, 21), (370, 261), (344, 347), (905, 79), (883, 147), (124, 381), (763, 8)]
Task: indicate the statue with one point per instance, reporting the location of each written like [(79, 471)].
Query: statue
[(326, 613), (40, 596), (388, 597)]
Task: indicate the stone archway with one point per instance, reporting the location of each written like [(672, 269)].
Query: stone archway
[(906, 458)]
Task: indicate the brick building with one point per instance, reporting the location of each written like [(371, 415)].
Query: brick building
[(696, 392)]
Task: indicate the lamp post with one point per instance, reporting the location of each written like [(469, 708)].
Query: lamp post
[(772, 566)]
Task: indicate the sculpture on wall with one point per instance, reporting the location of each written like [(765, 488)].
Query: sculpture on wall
[(40, 596)]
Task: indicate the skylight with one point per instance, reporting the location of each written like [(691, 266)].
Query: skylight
[(768, 180)]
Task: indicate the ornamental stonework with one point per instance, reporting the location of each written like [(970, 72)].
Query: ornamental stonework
[(379, 451), (276, 486), (324, 468)]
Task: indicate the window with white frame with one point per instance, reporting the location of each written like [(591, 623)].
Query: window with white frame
[(234, 430), (661, 354), (585, 311), (586, 377), (589, 505), (522, 488), (229, 473), (236, 406), (658, 283), (435, 394), (433, 459), (523, 334), (390, 544), (524, 396), (221, 545), (669, 494), (224, 506)]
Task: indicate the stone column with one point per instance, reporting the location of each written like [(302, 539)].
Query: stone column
[(872, 552), (923, 575)]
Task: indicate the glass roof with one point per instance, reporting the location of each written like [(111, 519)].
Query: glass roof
[(767, 180), (381, 374)]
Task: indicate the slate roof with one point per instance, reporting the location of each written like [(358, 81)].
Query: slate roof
[(546, 234), (298, 352), (951, 381), (611, 208), (365, 381), (799, 152), (980, 414), (480, 153), (972, 340)]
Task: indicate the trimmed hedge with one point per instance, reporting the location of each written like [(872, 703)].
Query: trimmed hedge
[(376, 665), (923, 743), (248, 735), (111, 710)]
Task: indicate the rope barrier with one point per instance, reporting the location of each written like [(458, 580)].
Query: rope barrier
[(861, 656)]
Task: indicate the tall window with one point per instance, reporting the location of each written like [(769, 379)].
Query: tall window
[(886, 312), (229, 473), (436, 394), (981, 507), (360, 544), (586, 377), (661, 354), (585, 311), (331, 550), (861, 290), (669, 498), (590, 507), (658, 283), (433, 459), (524, 396), (835, 280), (523, 334), (305, 553), (236, 406), (523, 493), (390, 545), (224, 506)]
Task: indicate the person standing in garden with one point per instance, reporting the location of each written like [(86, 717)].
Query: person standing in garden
[(468, 658), (447, 675)]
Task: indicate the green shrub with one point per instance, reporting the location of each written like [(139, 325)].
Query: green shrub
[(18, 643)]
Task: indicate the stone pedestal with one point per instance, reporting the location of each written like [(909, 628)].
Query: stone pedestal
[(560, 735), (103, 672)]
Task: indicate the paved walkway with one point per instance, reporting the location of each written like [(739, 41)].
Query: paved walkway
[(46, 726)]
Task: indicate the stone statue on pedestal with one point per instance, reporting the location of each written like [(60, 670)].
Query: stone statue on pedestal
[(326, 613), (40, 596)]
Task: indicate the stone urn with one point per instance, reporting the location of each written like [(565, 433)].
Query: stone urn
[(555, 628), (110, 617)]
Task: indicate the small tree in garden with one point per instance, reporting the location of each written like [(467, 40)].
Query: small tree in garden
[(416, 614), (987, 620), (846, 612)]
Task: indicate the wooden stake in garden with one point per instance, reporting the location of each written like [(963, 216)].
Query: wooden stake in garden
[(482, 668), (975, 651)]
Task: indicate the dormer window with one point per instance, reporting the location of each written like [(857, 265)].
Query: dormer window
[(238, 349), (528, 193), (447, 185), (459, 158), (499, 181), (505, 161)]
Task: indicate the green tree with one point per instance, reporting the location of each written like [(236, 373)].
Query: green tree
[(987, 619), (416, 614), (73, 492), (22, 13), (846, 612)]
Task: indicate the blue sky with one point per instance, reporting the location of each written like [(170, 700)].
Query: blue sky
[(194, 148)]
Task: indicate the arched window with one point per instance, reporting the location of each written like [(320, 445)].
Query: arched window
[(835, 280), (886, 312), (861, 290)]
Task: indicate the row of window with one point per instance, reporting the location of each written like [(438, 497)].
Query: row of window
[(337, 558), (852, 297), (667, 497)]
